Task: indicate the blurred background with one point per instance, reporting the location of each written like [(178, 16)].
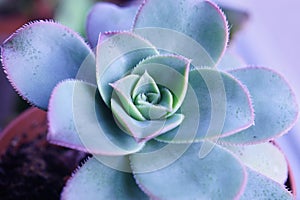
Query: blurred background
[(270, 36)]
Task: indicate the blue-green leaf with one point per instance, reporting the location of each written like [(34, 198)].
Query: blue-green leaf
[(230, 61), (259, 187), (264, 158), (237, 19), (79, 119), (116, 56), (276, 108), (40, 55), (95, 181), (190, 177), (163, 39), (201, 20), (219, 102), (106, 16)]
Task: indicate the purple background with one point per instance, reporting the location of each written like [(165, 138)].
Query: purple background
[(271, 38)]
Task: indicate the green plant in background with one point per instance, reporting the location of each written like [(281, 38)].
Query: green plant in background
[(73, 14), (154, 105)]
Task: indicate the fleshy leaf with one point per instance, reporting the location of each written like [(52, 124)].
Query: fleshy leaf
[(163, 40), (157, 155), (192, 177), (276, 108), (169, 71), (42, 54), (152, 112), (260, 187), (230, 61), (116, 56), (142, 130), (96, 181), (236, 19), (264, 158), (146, 84), (106, 16), (79, 119), (123, 89), (203, 21), (224, 106), (166, 98)]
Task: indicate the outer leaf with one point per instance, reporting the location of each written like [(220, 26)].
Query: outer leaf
[(109, 17), (95, 181), (79, 119), (163, 39), (201, 20), (40, 55), (264, 158), (230, 61), (276, 108), (116, 56), (259, 187), (236, 19), (194, 178), (224, 107)]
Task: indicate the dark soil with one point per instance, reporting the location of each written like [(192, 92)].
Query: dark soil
[(36, 169)]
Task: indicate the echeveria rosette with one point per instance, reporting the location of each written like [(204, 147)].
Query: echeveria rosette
[(145, 105)]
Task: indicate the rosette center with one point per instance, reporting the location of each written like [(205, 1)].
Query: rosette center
[(142, 98), (153, 101), (146, 103)]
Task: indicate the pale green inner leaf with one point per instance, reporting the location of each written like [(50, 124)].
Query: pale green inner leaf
[(151, 111), (123, 88), (142, 130), (166, 98), (142, 98), (168, 78), (146, 84)]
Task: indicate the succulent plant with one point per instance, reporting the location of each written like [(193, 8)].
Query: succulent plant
[(154, 105)]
